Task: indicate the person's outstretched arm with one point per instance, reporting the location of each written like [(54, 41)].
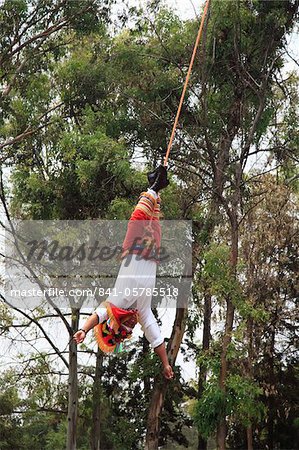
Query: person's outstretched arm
[(91, 322)]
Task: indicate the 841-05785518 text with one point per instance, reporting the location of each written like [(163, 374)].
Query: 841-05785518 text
[(139, 291)]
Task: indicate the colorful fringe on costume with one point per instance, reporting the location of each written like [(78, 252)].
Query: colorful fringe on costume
[(149, 205), (143, 235), (111, 333)]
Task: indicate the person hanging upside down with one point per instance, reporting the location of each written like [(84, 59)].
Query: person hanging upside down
[(113, 321)]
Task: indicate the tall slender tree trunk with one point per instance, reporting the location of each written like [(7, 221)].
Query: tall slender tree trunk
[(95, 437), (202, 443), (221, 431), (272, 382), (160, 385), (146, 378), (229, 320), (153, 423), (249, 437), (221, 164), (72, 386), (249, 432)]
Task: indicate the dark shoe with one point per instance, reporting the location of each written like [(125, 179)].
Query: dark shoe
[(151, 176), (161, 180)]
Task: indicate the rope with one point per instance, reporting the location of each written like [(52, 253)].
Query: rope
[(187, 81)]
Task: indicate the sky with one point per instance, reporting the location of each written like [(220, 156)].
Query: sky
[(187, 9)]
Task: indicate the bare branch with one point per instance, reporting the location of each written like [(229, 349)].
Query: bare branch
[(28, 131), (36, 322), (61, 23)]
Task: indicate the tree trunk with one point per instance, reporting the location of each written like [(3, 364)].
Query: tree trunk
[(72, 386), (230, 311), (155, 408), (221, 431), (146, 378), (249, 438), (160, 385), (202, 443), (249, 374), (272, 382), (218, 187), (96, 404)]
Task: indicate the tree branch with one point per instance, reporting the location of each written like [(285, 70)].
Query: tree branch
[(32, 319)]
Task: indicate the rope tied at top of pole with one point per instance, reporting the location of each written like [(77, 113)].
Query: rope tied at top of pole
[(205, 11)]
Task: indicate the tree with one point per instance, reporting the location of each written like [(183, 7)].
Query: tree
[(269, 252), (35, 34)]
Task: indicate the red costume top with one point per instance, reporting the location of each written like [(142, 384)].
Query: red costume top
[(143, 235)]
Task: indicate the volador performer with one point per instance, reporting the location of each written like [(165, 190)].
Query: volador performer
[(113, 321)]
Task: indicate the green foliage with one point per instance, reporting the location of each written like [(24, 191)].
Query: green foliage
[(210, 409), (218, 273), (146, 365), (9, 399), (79, 187), (22, 425), (119, 209), (172, 202), (243, 400), (210, 359), (6, 318), (56, 438), (86, 18), (239, 401)]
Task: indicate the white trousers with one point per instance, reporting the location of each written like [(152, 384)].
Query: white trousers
[(135, 282)]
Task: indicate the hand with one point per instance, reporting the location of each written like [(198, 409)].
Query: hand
[(79, 336), (168, 372)]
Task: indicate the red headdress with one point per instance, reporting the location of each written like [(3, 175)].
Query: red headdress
[(111, 333)]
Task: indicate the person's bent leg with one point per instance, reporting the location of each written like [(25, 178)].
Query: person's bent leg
[(151, 330), (101, 312), (153, 334)]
